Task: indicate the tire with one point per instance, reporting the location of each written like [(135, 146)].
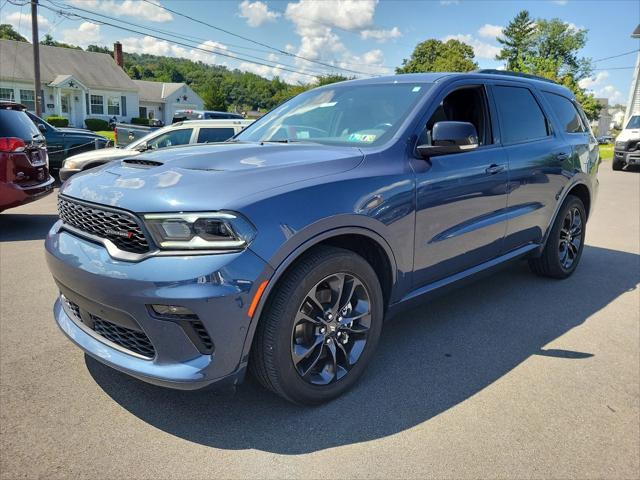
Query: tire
[(563, 250), (284, 332), (617, 165)]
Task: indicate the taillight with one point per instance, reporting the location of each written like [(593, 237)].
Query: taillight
[(12, 144)]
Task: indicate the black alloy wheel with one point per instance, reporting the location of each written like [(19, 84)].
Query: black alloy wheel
[(570, 239)]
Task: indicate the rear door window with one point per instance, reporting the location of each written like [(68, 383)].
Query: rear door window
[(210, 135), (15, 123), (566, 112), (521, 118)]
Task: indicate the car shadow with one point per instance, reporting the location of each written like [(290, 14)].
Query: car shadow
[(429, 360), (25, 226)]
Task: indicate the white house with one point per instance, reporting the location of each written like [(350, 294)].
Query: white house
[(633, 105), (75, 84), (161, 100)]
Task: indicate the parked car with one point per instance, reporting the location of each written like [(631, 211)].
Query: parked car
[(283, 249), (196, 131), (626, 150), (63, 142), (605, 140), (24, 164), (182, 115), (128, 133)]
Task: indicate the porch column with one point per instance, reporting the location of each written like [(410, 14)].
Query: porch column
[(58, 101), (83, 102)]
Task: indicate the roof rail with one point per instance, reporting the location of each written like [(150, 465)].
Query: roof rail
[(515, 74)]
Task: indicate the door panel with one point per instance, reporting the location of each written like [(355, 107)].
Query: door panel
[(461, 213)]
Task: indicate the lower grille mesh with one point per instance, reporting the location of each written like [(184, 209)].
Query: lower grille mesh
[(130, 339)]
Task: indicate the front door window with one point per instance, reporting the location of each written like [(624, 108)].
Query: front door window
[(64, 104)]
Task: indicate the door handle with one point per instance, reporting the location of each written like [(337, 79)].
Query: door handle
[(562, 156), (493, 169)]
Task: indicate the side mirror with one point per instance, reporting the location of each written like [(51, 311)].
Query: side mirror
[(143, 147), (450, 137), (42, 128)]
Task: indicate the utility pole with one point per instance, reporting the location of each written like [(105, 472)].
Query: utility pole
[(36, 56)]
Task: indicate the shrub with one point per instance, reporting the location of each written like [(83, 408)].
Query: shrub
[(57, 121), (96, 124), (140, 121)]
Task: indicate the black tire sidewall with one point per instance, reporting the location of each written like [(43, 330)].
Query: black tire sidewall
[(289, 380)]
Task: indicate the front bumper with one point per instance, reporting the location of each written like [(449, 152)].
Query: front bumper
[(217, 288), (630, 158)]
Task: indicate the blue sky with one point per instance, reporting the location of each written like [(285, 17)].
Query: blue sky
[(366, 36)]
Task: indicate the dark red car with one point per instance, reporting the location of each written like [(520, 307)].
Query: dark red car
[(24, 164)]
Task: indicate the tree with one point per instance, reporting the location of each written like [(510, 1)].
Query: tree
[(7, 32), (214, 98), (48, 40), (99, 49), (436, 56), (517, 40)]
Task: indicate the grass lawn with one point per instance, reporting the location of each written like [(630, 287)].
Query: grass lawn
[(107, 133), (606, 152)]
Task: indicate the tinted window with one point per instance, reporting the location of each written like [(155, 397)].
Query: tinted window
[(172, 138), (566, 112), (521, 118), (634, 122), (208, 135), (14, 123), (221, 115)]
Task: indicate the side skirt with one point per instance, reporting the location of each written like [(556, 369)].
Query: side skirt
[(440, 287)]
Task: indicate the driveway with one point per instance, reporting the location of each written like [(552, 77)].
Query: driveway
[(512, 376)]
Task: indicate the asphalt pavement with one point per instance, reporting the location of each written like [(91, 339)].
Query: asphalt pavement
[(513, 376)]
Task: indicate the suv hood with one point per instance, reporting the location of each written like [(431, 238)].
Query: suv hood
[(103, 154), (206, 177), (628, 134)]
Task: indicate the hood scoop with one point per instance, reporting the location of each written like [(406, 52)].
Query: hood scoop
[(141, 163)]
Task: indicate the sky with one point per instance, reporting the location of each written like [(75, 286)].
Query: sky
[(296, 40)]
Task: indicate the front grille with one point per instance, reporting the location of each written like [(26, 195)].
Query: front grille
[(133, 340), (137, 342), (121, 228)]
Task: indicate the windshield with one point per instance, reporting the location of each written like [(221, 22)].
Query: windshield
[(354, 115), (634, 122)]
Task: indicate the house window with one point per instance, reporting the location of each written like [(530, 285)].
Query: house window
[(113, 106), (28, 99), (97, 105), (6, 94), (64, 104), (143, 112)]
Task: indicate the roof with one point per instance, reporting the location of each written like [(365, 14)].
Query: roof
[(94, 70), (155, 91), (636, 32)]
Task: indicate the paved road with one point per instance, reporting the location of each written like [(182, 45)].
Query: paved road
[(513, 376)]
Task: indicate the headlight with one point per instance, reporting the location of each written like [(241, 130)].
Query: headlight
[(200, 231), (70, 164)]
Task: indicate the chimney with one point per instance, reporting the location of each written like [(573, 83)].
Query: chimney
[(117, 54)]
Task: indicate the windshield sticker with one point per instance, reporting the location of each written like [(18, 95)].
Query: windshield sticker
[(302, 135), (416, 89), (359, 137)]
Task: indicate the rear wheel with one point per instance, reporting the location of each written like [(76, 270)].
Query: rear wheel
[(320, 327), (563, 250)]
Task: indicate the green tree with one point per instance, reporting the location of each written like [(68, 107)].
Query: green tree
[(436, 56), (7, 32), (517, 40), (49, 41), (99, 49), (214, 98)]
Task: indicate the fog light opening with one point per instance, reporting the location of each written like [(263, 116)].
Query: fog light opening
[(173, 311)]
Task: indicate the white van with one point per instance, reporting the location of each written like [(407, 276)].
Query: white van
[(626, 150)]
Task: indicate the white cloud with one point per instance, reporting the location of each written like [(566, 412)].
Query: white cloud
[(490, 31), (381, 35), (449, 2), (132, 8), (86, 34), (573, 27), (596, 85), (480, 49), (256, 13), (23, 20), (153, 46), (560, 2), (314, 23)]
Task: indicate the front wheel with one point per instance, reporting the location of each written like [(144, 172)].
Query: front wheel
[(563, 249), (617, 165), (320, 328)]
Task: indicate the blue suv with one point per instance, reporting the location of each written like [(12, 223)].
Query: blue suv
[(282, 250)]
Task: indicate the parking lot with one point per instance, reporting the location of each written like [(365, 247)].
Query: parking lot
[(513, 376)]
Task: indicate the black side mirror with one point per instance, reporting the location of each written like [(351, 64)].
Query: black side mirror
[(450, 137), (42, 128), (143, 147)]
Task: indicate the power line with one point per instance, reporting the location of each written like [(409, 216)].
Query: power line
[(614, 68), (216, 50), (616, 56), (194, 47), (276, 49)]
